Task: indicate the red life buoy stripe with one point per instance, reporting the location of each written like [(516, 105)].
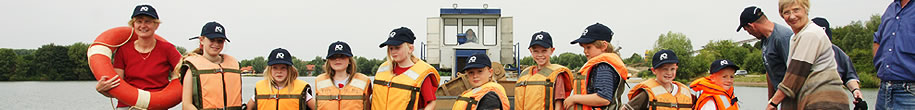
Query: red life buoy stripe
[(99, 54)]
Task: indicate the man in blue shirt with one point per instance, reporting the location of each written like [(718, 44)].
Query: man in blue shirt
[(775, 40), (846, 69), (894, 57)]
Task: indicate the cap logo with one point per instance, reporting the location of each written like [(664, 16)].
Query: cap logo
[(540, 37), (219, 29), (392, 34), (280, 56), (473, 59), (584, 33), (663, 56), (338, 47), (144, 8), (724, 62)]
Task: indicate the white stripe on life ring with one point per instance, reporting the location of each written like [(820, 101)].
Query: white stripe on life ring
[(98, 49), (142, 99)]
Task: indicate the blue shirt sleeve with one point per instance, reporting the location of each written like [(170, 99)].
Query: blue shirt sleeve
[(603, 81), (490, 101), (845, 68)]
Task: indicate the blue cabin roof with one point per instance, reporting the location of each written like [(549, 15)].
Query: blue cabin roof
[(470, 11)]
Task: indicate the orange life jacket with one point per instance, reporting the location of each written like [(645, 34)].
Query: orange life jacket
[(470, 99), (214, 86), (581, 80), (291, 97), (399, 92), (534, 91), (350, 97), (660, 99), (723, 99)]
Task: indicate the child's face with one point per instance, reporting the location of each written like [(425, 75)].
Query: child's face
[(401, 52), (278, 72), (338, 62), (724, 78), (478, 76), (540, 54), (666, 72), (591, 50)]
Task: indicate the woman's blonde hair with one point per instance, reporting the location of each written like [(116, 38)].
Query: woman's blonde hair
[(350, 69), (291, 71), (782, 4), (601, 43), (134, 19)]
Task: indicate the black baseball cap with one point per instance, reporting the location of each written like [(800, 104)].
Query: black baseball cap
[(662, 57), (399, 36), (750, 14), (595, 32), (822, 22), (541, 38), (338, 47), (145, 10), (717, 65), (279, 56), (477, 60), (213, 30)]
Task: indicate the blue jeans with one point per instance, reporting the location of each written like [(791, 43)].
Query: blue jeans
[(896, 95)]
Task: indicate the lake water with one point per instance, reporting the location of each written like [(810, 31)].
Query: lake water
[(81, 95)]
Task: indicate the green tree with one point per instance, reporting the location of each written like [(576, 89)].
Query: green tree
[(528, 61), (181, 50), (80, 66), (689, 68), (856, 39), (571, 60), (52, 63), (318, 61), (634, 60), (8, 60)]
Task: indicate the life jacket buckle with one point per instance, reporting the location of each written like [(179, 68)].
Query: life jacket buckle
[(336, 97), (524, 83), (220, 70), (274, 96)]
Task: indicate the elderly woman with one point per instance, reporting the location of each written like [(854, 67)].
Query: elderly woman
[(811, 80)]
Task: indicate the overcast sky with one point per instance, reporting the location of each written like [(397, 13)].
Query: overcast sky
[(307, 27)]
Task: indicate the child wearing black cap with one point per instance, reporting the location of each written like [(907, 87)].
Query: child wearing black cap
[(716, 91), (543, 86), (403, 81), (661, 92), (212, 79), (600, 81), (486, 94), (281, 89), (145, 62), (341, 87)]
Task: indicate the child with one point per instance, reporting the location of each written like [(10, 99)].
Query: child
[(215, 81), (661, 92), (600, 81), (545, 85), (281, 89), (341, 87), (486, 94), (716, 91), (403, 81)]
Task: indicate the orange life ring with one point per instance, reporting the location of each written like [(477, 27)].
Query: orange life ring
[(99, 54)]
